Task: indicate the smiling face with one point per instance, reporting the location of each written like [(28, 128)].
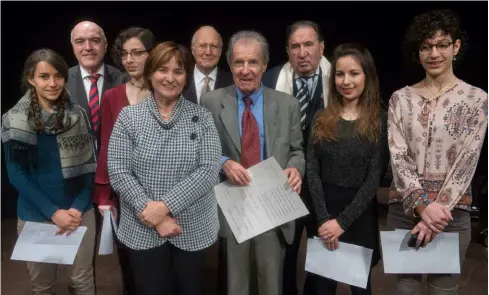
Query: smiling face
[(206, 48), (168, 80), (436, 54), (247, 65), (89, 45), (349, 78), (48, 83)]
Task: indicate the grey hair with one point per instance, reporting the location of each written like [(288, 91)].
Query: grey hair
[(201, 27), (101, 32), (250, 36)]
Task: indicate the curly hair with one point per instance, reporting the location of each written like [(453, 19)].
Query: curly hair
[(426, 26), (369, 102), (30, 65), (144, 35)]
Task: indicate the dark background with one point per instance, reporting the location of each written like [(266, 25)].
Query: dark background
[(380, 26)]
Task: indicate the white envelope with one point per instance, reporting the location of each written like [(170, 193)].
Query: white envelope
[(440, 256), (349, 264)]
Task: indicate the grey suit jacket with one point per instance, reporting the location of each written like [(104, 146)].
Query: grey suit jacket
[(283, 133), (113, 77)]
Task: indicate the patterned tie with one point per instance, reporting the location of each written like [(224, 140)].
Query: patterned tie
[(206, 87), (250, 139), (304, 98), (93, 101)]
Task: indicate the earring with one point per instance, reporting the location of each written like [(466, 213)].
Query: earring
[(454, 58)]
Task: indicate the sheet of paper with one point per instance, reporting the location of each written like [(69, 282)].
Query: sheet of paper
[(266, 203), (38, 242), (349, 264), (440, 256), (106, 237)]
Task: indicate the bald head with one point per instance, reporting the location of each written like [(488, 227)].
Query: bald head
[(85, 24), (89, 45), (206, 48)]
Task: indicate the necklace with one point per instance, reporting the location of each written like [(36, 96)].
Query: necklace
[(442, 90), (140, 87)]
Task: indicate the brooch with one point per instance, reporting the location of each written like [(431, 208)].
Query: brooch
[(195, 119)]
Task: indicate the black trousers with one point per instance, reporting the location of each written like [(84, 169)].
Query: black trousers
[(317, 285), (289, 281), (167, 270)]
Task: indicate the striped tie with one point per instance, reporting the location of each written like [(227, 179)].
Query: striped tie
[(93, 101), (303, 96)]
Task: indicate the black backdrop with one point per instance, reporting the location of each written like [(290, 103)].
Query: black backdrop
[(379, 26)]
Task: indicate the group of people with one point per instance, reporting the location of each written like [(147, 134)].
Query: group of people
[(151, 138)]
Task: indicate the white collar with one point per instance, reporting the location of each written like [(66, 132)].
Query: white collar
[(85, 74), (199, 76), (317, 73)]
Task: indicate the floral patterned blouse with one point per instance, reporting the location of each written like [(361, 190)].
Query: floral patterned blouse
[(435, 145)]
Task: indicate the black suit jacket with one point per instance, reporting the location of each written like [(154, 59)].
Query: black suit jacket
[(112, 77), (223, 79)]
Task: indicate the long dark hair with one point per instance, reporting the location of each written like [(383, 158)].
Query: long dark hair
[(369, 102), (55, 60)]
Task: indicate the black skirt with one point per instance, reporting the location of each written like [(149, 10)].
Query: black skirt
[(364, 231)]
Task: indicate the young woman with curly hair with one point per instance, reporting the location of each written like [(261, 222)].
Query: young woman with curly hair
[(436, 131)]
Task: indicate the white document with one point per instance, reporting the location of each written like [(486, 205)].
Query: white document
[(349, 264), (38, 242), (440, 256), (106, 236), (267, 202)]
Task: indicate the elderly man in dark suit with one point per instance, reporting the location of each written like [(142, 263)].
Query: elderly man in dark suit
[(206, 49), (89, 80), (304, 76), (255, 123)]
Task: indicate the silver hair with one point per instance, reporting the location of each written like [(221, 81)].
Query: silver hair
[(101, 32), (250, 36), (195, 33)]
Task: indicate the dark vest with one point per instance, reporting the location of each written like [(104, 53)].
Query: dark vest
[(315, 104)]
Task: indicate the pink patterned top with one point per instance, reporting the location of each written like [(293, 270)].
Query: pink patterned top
[(435, 145)]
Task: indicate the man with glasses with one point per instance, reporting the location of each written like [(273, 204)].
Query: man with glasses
[(206, 49), (91, 77)]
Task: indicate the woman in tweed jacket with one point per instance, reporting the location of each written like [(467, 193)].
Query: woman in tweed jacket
[(163, 162)]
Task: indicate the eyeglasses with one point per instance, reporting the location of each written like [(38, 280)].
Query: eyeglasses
[(203, 47), (426, 49), (136, 54)]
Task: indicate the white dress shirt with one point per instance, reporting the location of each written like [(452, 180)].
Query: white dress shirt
[(311, 83), (87, 84), (199, 81)]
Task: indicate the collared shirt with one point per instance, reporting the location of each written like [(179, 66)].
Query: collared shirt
[(199, 81), (311, 83), (257, 110), (87, 84)]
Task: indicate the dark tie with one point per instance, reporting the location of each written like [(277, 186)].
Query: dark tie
[(304, 98), (250, 139), (93, 101)]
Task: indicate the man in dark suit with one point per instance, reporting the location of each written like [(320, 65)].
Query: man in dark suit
[(89, 80), (305, 76), (255, 123), (206, 49)]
